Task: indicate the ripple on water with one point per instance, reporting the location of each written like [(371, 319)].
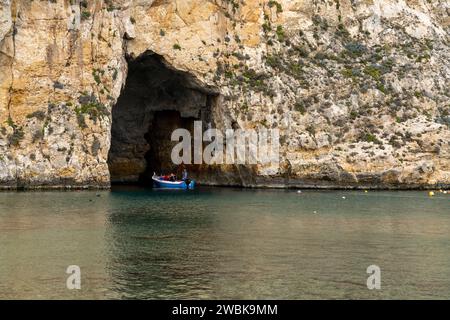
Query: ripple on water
[(224, 243)]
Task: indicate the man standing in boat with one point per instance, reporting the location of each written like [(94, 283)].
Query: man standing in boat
[(185, 177)]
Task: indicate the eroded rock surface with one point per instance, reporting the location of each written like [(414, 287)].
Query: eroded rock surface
[(358, 89)]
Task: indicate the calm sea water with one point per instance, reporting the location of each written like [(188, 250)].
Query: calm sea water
[(217, 243)]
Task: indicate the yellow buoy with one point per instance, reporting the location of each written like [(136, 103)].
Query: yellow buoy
[(365, 191), (431, 193)]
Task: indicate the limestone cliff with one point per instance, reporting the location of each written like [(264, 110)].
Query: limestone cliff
[(359, 89)]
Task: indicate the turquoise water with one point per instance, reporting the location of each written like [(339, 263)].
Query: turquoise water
[(224, 244)]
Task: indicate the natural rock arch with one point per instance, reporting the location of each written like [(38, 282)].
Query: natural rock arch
[(156, 100)]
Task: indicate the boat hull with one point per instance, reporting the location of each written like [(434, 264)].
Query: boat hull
[(162, 184)]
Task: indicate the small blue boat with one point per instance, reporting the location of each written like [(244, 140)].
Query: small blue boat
[(159, 183)]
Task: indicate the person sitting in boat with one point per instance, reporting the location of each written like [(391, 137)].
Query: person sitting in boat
[(172, 177)]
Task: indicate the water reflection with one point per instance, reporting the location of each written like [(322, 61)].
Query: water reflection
[(270, 244), (153, 241), (41, 234), (224, 243)]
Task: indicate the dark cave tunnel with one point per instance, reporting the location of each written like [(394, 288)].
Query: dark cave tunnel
[(155, 100)]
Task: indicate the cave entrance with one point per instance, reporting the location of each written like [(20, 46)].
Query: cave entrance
[(156, 100)]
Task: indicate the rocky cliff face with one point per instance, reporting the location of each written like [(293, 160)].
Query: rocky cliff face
[(359, 89)]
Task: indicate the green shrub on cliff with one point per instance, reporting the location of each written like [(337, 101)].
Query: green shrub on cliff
[(93, 109), (38, 135), (280, 34), (349, 72), (373, 71), (320, 22), (40, 115), (256, 81), (90, 107), (342, 31), (110, 5), (368, 137), (244, 107), (355, 49), (266, 27), (96, 77), (274, 61), (85, 15), (273, 3), (10, 122), (299, 107), (17, 136)]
